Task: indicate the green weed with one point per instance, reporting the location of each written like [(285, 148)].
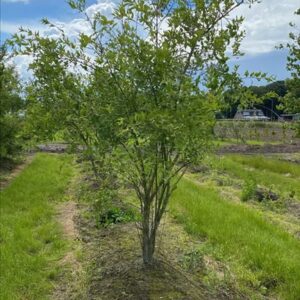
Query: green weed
[(249, 189), (114, 215)]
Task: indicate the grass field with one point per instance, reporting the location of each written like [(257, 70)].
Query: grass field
[(282, 176), (263, 256), (270, 164), (250, 245), (30, 239)]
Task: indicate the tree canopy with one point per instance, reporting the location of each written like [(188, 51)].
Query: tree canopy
[(10, 106), (142, 86), (291, 101)]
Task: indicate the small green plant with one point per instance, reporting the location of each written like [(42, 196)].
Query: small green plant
[(253, 134), (193, 260), (297, 129), (292, 194), (104, 198), (249, 189), (116, 215), (267, 131), (108, 210)]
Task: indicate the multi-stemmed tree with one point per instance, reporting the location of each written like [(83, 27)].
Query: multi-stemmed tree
[(154, 71)]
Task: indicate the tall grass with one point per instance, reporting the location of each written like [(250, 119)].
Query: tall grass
[(264, 250), (30, 240), (274, 165), (271, 172)]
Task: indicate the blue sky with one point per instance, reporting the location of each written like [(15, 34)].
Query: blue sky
[(266, 25), (273, 62)]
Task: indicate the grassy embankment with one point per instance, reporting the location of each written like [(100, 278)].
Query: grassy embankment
[(262, 255), (31, 240)]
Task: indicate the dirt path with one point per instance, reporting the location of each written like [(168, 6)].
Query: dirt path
[(67, 212), (7, 178), (71, 277), (257, 149), (53, 147)]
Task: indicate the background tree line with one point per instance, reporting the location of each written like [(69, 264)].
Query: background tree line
[(271, 97), (11, 110)]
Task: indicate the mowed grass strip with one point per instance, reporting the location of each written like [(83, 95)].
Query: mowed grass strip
[(242, 235), (272, 164), (30, 239), (270, 172)]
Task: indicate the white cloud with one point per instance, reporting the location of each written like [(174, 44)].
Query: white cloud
[(76, 26), (8, 27), (21, 63), (267, 24), (105, 8), (15, 1), (11, 28), (71, 29)]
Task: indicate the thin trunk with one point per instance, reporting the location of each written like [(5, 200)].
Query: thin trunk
[(94, 168), (148, 248), (148, 235)]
